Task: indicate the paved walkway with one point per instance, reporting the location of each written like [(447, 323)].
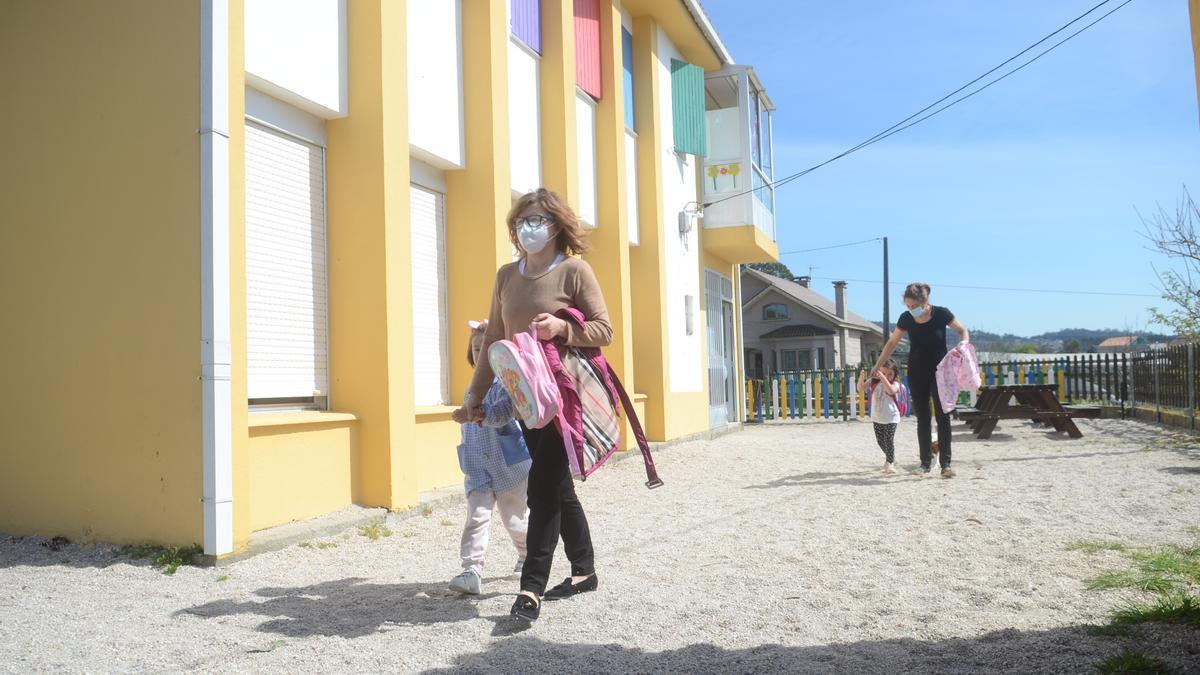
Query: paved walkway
[(781, 548)]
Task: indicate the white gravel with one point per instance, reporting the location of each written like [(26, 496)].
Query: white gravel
[(781, 548)]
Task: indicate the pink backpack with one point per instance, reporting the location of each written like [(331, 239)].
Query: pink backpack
[(901, 398), (521, 366)]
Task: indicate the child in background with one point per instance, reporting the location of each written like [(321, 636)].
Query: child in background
[(885, 411), (495, 464)]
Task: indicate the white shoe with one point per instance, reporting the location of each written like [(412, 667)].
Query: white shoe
[(889, 468), (520, 566), (467, 583)]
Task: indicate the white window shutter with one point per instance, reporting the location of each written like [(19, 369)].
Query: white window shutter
[(287, 346), (430, 349)]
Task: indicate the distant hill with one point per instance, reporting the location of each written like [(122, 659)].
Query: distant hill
[(1065, 340)]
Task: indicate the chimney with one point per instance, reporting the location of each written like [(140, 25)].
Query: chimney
[(839, 292), (804, 281)]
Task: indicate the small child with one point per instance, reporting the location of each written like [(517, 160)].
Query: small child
[(495, 463), (885, 412)]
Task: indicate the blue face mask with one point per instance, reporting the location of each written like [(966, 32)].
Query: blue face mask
[(917, 312)]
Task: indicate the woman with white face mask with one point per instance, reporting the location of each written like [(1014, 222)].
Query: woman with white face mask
[(925, 325), (545, 279)]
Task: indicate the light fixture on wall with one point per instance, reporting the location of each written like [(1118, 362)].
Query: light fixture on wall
[(687, 218)]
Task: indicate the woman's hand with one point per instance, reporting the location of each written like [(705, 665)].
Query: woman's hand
[(460, 416), (549, 327)]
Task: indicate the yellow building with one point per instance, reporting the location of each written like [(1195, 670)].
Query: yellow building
[(241, 240), (1194, 15)]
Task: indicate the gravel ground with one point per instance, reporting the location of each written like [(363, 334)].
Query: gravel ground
[(780, 548)]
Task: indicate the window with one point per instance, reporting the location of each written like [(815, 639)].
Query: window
[(820, 364), (755, 133), (627, 77), (795, 359), (431, 365), (287, 350), (587, 46), (585, 142), (775, 312), (765, 142), (526, 22), (687, 108)]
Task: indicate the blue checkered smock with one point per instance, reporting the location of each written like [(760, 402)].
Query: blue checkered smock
[(481, 457)]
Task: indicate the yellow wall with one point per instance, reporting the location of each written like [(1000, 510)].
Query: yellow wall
[(648, 303), (239, 421), (100, 266), (436, 449), (370, 316), (1194, 13), (478, 196), (299, 470)]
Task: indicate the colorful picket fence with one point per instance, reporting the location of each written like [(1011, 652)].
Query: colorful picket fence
[(834, 394)]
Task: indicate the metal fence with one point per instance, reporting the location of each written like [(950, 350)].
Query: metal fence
[(1084, 378)]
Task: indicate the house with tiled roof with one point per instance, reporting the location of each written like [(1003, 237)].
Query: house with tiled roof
[(790, 326), (1120, 344)]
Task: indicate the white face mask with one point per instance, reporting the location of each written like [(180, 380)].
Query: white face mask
[(917, 312), (533, 236)]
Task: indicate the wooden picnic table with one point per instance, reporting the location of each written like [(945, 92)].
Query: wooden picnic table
[(1036, 402)]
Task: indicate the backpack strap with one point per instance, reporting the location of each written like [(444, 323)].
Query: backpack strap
[(653, 480)]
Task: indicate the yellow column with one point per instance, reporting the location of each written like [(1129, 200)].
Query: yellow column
[(478, 197), (610, 240), (560, 154), (369, 258), (650, 359), (237, 275)]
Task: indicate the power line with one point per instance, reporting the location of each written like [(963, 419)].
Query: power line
[(901, 125), (826, 248), (998, 288)]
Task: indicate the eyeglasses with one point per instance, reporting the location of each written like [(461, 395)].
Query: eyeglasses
[(536, 220)]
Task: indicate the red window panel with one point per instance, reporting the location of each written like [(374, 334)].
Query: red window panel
[(587, 46)]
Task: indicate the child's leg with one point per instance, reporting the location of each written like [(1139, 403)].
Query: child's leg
[(477, 528), (514, 511), (885, 436)]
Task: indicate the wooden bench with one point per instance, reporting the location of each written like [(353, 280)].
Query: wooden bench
[(1035, 402)]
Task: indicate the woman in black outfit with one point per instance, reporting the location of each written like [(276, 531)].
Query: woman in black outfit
[(925, 326)]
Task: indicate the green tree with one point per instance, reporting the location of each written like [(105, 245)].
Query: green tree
[(1026, 349), (1175, 236), (775, 269), (1072, 346)]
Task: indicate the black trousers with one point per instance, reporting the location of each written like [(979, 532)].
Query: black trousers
[(554, 510), (922, 386)]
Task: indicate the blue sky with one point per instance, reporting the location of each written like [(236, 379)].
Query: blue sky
[(1034, 183)]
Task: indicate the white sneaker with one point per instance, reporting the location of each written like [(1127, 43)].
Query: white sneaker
[(467, 583), (520, 566), (889, 468)]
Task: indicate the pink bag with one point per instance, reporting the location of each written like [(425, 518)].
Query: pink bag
[(958, 371), (521, 366)]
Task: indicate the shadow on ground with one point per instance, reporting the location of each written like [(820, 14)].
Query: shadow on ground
[(1005, 651), (349, 608), (856, 478)]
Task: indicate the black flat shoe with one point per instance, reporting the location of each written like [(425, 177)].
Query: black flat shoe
[(566, 589), (526, 608)]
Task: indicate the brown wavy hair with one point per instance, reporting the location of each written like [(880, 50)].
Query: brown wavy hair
[(918, 291), (571, 238)]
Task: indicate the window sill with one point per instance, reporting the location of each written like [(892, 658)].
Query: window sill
[(434, 413), (298, 418)]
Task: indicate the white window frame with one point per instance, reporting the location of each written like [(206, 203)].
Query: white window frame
[(437, 188), (282, 119)]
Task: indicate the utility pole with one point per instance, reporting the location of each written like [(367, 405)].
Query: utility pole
[(887, 315)]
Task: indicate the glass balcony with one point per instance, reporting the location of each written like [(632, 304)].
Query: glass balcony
[(739, 168)]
